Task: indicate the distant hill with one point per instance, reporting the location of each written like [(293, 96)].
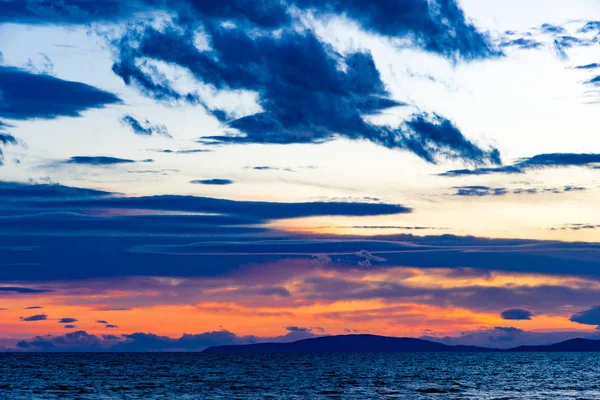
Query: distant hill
[(348, 343), (384, 344), (567, 345)]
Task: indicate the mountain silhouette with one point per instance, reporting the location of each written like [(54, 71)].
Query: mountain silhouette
[(567, 345), (348, 343), (385, 344)]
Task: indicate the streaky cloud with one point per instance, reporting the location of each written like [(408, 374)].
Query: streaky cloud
[(479, 191), (97, 160), (588, 66), (539, 161), (22, 290), (29, 96), (214, 181), (145, 128)]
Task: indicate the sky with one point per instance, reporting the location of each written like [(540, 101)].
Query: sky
[(176, 174)]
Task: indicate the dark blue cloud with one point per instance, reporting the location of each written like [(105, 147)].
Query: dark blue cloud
[(559, 160), (97, 160), (479, 191), (523, 43), (591, 26), (268, 168), (552, 29), (70, 326), (483, 171), (439, 26), (110, 326), (305, 95), (16, 191), (34, 318), (85, 199), (74, 234), (516, 314), (588, 66), (6, 139), (575, 227), (587, 317), (145, 128), (68, 12), (539, 161), (21, 290), (183, 151), (219, 182), (101, 321), (27, 96), (67, 320), (33, 308), (138, 342), (594, 81)]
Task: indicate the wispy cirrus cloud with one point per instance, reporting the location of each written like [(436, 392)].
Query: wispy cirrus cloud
[(145, 128), (540, 161)]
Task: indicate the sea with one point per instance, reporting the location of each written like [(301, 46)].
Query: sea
[(195, 376)]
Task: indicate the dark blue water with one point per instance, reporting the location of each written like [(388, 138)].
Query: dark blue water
[(300, 376)]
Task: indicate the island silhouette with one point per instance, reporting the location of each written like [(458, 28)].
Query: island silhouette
[(374, 343)]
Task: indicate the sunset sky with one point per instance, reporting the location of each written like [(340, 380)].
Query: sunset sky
[(176, 174)]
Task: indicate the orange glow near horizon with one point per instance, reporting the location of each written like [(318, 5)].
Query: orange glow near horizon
[(221, 305)]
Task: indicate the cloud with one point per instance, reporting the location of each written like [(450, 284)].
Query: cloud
[(269, 168), (587, 317), (305, 96), (540, 161), (508, 337), (68, 12), (144, 342), (516, 314), (33, 318), (33, 308), (21, 290), (479, 191), (588, 66), (439, 26), (28, 96), (552, 29), (101, 321), (182, 151), (67, 320), (97, 160), (110, 326), (117, 236), (482, 191), (70, 326), (218, 182), (145, 128), (594, 81), (6, 139), (575, 227), (523, 43)]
